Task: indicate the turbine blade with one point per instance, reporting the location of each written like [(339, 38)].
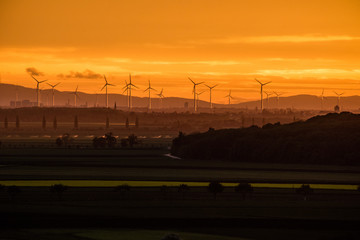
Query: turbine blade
[(105, 78), (267, 83), (191, 80), (258, 81), (103, 87)]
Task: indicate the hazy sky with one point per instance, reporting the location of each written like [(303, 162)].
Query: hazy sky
[(301, 46)]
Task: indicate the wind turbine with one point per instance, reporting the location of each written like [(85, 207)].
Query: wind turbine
[(75, 95), (161, 96), (267, 97), (128, 88), (106, 91), (278, 97), (338, 97), (210, 89), (37, 90), (149, 89), (52, 89), (229, 97), (194, 91), (322, 99), (197, 99), (261, 91)]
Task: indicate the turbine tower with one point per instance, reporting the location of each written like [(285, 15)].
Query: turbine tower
[(322, 99), (149, 89), (128, 88), (338, 97), (52, 90), (210, 89), (261, 91), (278, 97), (194, 91), (267, 98), (37, 90), (197, 99), (75, 95), (161, 96), (229, 97), (106, 91)]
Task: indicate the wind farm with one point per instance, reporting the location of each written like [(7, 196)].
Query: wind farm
[(179, 120)]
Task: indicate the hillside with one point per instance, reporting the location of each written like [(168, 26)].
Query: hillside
[(330, 139), (8, 93)]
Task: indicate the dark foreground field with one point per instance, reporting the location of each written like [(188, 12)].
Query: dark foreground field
[(149, 213)]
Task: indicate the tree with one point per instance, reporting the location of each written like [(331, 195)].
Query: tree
[(6, 122), (122, 189), (17, 122), (127, 123), (164, 190), (305, 190), (171, 236), (110, 139), (76, 123), (65, 139), (44, 123), (183, 188), (58, 189), (107, 123), (136, 122), (215, 188), (55, 123), (99, 142), (13, 191), (132, 139), (244, 189)]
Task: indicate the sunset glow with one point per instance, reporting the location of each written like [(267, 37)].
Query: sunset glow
[(301, 46)]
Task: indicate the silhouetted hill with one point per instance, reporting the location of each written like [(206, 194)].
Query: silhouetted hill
[(8, 93), (330, 139)]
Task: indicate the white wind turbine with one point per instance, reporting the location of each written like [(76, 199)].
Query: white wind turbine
[(161, 96), (278, 98), (75, 95), (267, 98), (128, 88), (229, 97), (197, 98), (53, 92), (37, 90), (261, 91), (106, 91), (210, 89), (149, 89), (194, 91), (338, 97)]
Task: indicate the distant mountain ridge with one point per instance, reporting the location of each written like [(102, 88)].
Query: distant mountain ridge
[(8, 92)]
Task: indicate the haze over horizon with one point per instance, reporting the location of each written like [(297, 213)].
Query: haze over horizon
[(301, 46)]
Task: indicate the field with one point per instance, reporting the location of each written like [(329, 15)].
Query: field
[(92, 208)]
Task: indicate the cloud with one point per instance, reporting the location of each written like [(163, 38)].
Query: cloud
[(85, 74), (33, 71), (277, 39)]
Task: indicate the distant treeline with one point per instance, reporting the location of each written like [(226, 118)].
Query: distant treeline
[(330, 139)]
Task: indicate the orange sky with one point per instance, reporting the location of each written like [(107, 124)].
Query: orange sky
[(301, 46)]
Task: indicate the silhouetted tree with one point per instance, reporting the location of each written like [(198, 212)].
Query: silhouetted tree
[(122, 189), (164, 191), (305, 190), (55, 123), (107, 123), (58, 189), (124, 142), (17, 123), (115, 106), (183, 188), (337, 108), (99, 142), (127, 123), (65, 139), (136, 122), (44, 123), (6, 122), (13, 191), (76, 122), (132, 139), (244, 189), (215, 188), (110, 139), (171, 236)]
